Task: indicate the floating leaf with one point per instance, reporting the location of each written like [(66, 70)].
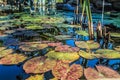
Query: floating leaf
[(117, 48), (87, 45), (65, 56), (115, 35), (4, 51), (62, 37), (107, 72), (107, 53), (29, 46), (54, 44), (66, 48), (36, 77), (83, 33), (65, 72), (86, 55), (39, 65), (92, 74), (12, 59)]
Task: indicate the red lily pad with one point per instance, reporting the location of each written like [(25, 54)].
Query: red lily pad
[(65, 72), (107, 72), (39, 65), (12, 59), (92, 74), (66, 48), (54, 44)]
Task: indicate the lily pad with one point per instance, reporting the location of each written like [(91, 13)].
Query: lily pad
[(36, 77), (66, 48), (86, 55), (29, 46), (107, 53), (54, 44), (117, 48), (62, 37), (34, 27), (39, 65), (65, 72), (107, 72), (4, 51), (115, 35), (12, 59), (65, 56), (87, 45), (92, 74), (83, 33)]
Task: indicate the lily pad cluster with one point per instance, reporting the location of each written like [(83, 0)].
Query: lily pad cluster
[(64, 56), (36, 77), (40, 64), (102, 73), (87, 44), (12, 59), (63, 71)]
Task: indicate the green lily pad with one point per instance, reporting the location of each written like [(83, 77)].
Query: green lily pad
[(109, 54), (4, 51), (87, 45), (34, 27), (62, 37), (39, 65), (36, 77), (83, 33), (65, 56), (86, 55), (12, 59), (115, 35)]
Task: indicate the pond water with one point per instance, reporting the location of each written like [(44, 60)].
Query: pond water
[(14, 72)]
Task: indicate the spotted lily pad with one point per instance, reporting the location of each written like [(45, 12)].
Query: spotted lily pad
[(36, 77), (4, 51), (65, 56), (107, 53), (86, 55), (63, 71), (39, 65), (62, 37), (12, 59)]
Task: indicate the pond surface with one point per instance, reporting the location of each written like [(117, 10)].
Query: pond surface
[(14, 72)]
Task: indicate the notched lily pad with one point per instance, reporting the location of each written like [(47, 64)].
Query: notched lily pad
[(39, 65)]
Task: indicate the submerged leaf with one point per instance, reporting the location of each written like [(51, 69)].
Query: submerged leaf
[(39, 65)]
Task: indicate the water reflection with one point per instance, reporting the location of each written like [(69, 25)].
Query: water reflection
[(43, 10)]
